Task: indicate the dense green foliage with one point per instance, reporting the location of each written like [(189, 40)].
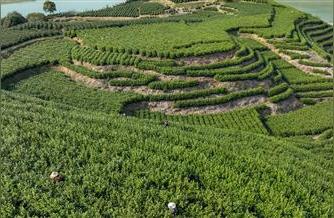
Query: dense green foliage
[(295, 76), (186, 111), (100, 57), (128, 9), (50, 85), (40, 53), (179, 39), (282, 24), (309, 120), (245, 119), (146, 166), (10, 38), (317, 34)]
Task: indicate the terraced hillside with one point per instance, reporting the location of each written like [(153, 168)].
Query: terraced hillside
[(225, 108)]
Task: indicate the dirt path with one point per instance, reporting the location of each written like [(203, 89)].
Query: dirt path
[(93, 83), (306, 69)]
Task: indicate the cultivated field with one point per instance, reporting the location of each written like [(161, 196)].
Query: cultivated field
[(225, 108)]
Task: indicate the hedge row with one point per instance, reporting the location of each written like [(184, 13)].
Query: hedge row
[(131, 79), (313, 87), (314, 64), (173, 84), (282, 96), (90, 55), (219, 100), (316, 94)]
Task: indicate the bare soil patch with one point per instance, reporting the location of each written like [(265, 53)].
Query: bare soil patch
[(246, 84), (285, 106), (206, 59)]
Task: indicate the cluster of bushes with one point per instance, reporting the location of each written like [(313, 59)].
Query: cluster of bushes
[(10, 38), (245, 119), (97, 57), (37, 54), (152, 8), (14, 18), (306, 121)]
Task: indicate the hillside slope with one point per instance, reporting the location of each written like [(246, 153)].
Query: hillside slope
[(126, 167)]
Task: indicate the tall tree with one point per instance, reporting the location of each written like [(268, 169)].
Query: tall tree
[(49, 6)]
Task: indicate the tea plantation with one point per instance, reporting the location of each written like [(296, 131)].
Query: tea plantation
[(224, 108)]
